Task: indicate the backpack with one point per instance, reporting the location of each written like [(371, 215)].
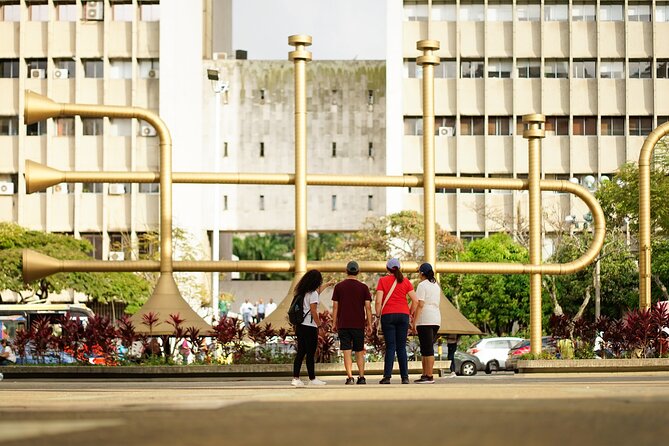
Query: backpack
[(296, 313)]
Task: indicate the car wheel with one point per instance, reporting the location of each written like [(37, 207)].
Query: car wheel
[(468, 368), (492, 366)]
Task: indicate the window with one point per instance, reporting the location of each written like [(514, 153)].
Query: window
[(583, 12), (225, 149), (413, 125), (448, 69), (528, 68), (36, 129), (612, 69), (92, 188), (149, 188), (471, 125), (584, 69), (333, 201), (123, 12), (93, 68), (499, 125), (120, 69), (557, 125), (412, 70), (370, 202), (415, 13), (662, 69), (471, 12), (556, 13), (148, 68), (38, 12), (65, 64), (334, 150), (444, 125), (119, 242), (96, 242), (613, 126), (261, 203), (499, 68), (444, 13), (471, 69), (556, 68), (640, 125), (611, 13), (662, 12), (36, 64), (120, 127), (370, 149), (9, 125), (225, 202), (499, 12), (584, 126), (528, 12), (370, 97), (9, 68), (67, 12), (64, 126), (640, 69), (662, 119), (92, 126), (637, 12), (10, 13), (262, 150), (149, 12)]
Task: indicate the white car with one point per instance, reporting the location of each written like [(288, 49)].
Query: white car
[(492, 352)]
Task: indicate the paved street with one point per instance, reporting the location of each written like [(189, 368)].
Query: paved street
[(561, 410)]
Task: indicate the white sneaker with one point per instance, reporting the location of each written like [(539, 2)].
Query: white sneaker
[(296, 382), (452, 375), (317, 382)]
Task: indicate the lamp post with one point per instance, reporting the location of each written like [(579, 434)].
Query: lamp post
[(218, 86)]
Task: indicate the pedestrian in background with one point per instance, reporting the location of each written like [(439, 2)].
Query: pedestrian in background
[(310, 286), (391, 303), (247, 312), (452, 346), (351, 314), (7, 355), (261, 310), (271, 306), (427, 318)]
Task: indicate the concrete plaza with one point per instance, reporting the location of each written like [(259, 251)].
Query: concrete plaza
[(593, 409)]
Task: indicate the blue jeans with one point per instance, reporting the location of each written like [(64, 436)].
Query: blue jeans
[(395, 327)]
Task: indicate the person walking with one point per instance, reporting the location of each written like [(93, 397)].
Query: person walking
[(427, 319), (271, 306), (247, 312), (261, 310), (351, 315), (391, 303), (310, 286), (7, 355), (452, 346)]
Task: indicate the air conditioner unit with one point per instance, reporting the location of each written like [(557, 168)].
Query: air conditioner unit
[(116, 189), (6, 188), (117, 256), (153, 74), (446, 131), (60, 189), (147, 130), (37, 73), (94, 10), (61, 73)]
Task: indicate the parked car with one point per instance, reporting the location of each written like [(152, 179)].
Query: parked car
[(492, 352), (547, 345), (465, 364)]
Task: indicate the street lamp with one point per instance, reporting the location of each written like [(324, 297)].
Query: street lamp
[(218, 86)]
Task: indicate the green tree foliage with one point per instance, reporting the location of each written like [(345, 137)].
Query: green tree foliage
[(491, 301), (101, 287), (263, 247)]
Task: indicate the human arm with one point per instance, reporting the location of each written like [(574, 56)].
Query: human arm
[(314, 313), (378, 302), (368, 312), (335, 308), (5, 353), (416, 314), (325, 285)]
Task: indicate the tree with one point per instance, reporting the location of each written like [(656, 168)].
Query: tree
[(102, 287), (263, 247), (494, 302)]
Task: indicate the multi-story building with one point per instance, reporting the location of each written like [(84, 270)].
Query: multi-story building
[(598, 70)]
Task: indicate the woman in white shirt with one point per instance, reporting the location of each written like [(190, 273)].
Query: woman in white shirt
[(427, 319), (310, 286)]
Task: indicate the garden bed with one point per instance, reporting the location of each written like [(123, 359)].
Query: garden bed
[(593, 365)]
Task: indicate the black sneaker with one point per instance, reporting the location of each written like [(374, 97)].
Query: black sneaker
[(425, 380), (421, 379), (361, 380), (350, 381), (385, 380), (405, 380)]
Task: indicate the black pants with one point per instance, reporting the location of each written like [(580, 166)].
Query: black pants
[(307, 343), (452, 348)]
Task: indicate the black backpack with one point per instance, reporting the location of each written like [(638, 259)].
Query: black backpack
[(296, 313)]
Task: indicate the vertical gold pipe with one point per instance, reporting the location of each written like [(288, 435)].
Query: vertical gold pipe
[(428, 60), (300, 57), (534, 134), (644, 224)]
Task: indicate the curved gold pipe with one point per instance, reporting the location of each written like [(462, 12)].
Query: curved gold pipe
[(644, 212)]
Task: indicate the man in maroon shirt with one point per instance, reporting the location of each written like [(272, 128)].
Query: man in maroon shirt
[(352, 313)]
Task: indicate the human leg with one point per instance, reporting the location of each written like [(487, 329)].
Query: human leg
[(311, 346), (451, 355), (401, 332), (388, 327), (348, 363), (301, 351), (346, 345)]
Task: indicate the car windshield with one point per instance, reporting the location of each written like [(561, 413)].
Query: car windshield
[(523, 343)]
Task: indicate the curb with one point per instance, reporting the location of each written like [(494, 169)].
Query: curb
[(593, 365)]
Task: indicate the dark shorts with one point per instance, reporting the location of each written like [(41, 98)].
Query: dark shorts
[(427, 334), (351, 337)]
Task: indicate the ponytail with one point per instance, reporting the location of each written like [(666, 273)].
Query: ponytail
[(398, 274), (430, 276)]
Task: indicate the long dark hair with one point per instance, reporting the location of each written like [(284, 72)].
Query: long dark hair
[(397, 273), (311, 281), (430, 276)]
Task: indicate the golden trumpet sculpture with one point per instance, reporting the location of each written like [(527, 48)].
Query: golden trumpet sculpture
[(166, 298)]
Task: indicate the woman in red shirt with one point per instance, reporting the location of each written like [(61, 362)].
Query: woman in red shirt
[(391, 303)]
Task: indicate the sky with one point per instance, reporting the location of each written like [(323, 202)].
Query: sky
[(341, 29)]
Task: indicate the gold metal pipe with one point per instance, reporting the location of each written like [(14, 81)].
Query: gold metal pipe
[(300, 57), (534, 135), (428, 61), (644, 213)]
